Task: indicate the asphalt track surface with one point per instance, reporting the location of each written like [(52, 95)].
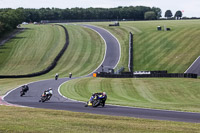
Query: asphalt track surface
[(195, 67), (58, 102)]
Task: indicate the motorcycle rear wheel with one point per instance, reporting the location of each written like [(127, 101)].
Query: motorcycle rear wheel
[(22, 93)]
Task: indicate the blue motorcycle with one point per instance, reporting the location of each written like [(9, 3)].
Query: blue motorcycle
[(97, 100)]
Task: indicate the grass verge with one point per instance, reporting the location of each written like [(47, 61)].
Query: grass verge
[(17, 119), (160, 93)]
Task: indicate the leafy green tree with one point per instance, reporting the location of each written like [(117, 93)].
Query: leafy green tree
[(178, 15), (1, 28), (157, 11), (10, 18), (150, 15), (168, 14)]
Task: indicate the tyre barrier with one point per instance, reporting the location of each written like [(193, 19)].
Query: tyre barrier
[(130, 62), (50, 67), (153, 74)]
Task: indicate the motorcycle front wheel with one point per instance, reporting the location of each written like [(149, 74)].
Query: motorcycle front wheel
[(96, 103)]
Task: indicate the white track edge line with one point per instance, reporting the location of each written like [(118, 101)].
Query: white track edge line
[(99, 65), (116, 65), (7, 93), (192, 64), (122, 105), (117, 41), (85, 76), (105, 49)]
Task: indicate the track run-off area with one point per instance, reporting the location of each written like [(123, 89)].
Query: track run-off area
[(58, 102)]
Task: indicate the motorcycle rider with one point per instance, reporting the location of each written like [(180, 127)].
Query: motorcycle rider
[(56, 76), (105, 97), (99, 94), (48, 93), (25, 88), (70, 75)]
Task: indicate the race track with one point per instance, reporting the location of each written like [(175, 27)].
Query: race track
[(194, 68), (58, 102)]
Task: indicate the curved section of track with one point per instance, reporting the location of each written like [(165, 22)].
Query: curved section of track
[(59, 103), (113, 51), (194, 68)]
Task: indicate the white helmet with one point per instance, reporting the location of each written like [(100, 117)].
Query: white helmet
[(104, 93)]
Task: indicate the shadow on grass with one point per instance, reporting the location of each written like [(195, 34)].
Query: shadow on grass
[(25, 29), (17, 38), (3, 47)]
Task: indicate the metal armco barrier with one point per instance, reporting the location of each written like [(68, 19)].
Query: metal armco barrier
[(154, 74)]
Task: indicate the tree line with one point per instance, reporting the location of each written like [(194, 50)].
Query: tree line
[(10, 18)]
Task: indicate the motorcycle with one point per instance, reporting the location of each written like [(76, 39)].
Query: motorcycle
[(98, 100), (25, 88), (22, 93), (44, 97)]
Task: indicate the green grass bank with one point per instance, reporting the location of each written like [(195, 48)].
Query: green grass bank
[(32, 50), (18, 120), (173, 50), (158, 93)]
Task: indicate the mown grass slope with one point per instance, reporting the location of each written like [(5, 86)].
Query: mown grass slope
[(84, 53), (32, 50), (173, 50), (15, 119), (161, 93)]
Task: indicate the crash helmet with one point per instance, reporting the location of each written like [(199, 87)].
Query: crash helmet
[(50, 88), (104, 93), (25, 85)]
